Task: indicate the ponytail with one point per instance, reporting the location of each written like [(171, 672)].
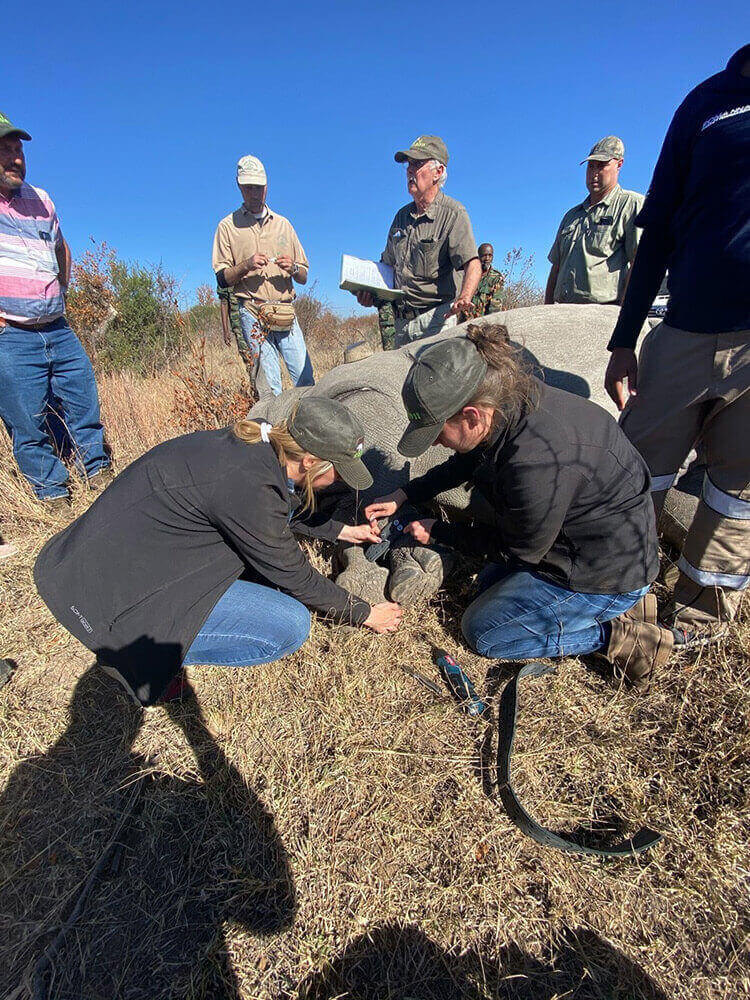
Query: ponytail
[(282, 442), (508, 388)]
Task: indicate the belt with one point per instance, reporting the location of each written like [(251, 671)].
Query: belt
[(29, 326), (410, 313)]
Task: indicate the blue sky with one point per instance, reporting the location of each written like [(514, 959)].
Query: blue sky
[(140, 111)]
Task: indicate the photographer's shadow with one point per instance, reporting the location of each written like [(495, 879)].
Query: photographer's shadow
[(395, 962), (196, 853)]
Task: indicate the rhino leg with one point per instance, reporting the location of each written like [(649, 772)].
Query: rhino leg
[(676, 517), (365, 579), (418, 571)]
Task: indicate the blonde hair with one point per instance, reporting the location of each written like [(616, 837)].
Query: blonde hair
[(508, 388), (285, 447)]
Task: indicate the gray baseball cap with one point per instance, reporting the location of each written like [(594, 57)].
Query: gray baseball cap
[(611, 147), (329, 430), (8, 128), (441, 381), (424, 147)]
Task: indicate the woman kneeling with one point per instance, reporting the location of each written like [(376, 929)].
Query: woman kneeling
[(570, 540), (149, 577)]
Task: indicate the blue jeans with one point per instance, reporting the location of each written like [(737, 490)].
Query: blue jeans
[(37, 367), (290, 344), (520, 616), (250, 624)]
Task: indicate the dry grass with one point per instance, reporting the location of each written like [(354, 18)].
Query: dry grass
[(322, 827)]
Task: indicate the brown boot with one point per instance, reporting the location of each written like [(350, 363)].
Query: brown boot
[(645, 610), (636, 649)]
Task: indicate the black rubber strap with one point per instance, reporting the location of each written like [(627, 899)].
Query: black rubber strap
[(527, 824)]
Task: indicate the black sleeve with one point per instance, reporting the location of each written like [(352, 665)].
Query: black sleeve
[(663, 199), (478, 540), (264, 541), (458, 469), (221, 281), (317, 525)]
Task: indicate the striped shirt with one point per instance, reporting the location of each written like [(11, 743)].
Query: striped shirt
[(29, 235)]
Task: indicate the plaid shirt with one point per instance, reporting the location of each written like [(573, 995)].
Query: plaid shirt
[(29, 236)]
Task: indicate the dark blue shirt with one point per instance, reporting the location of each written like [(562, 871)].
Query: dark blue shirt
[(696, 217)]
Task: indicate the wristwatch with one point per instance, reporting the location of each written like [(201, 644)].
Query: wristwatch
[(295, 269)]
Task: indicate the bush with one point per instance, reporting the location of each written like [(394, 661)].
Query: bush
[(521, 288), (126, 314)]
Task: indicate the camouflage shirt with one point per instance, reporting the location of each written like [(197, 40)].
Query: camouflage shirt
[(489, 296)]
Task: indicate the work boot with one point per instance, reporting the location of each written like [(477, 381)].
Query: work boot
[(101, 480), (59, 508), (636, 649), (645, 610), (417, 571)]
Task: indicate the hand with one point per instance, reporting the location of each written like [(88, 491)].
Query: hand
[(385, 506), (385, 617), (227, 337), (365, 299), (459, 305), (622, 365), (256, 262), (420, 530), (358, 534), (285, 263)]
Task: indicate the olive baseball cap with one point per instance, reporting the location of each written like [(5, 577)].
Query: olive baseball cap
[(8, 128), (250, 171), (611, 147), (424, 147), (441, 381), (329, 430)]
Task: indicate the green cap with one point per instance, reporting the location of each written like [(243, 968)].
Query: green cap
[(329, 430), (441, 381), (424, 147), (609, 148), (8, 128)]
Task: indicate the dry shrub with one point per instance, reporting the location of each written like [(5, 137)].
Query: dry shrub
[(203, 401), (521, 287)]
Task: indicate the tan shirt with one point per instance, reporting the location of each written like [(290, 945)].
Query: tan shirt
[(427, 250), (240, 235), (594, 247)]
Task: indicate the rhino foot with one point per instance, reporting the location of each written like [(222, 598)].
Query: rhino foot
[(417, 572), (365, 579), (677, 516)]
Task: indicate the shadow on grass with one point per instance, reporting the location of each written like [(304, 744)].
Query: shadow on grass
[(195, 853), (394, 962)]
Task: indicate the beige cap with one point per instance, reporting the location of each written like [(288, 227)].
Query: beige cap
[(251, 171)]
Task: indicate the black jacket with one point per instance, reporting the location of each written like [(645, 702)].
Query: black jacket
[(570, 495), (136, 576)]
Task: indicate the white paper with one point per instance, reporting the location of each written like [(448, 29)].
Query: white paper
[(369, 275)]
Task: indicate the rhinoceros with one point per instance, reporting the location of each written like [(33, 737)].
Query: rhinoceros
[(565, 345)]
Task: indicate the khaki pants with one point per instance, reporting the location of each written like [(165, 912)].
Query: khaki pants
[(427, 324), (694, 390)]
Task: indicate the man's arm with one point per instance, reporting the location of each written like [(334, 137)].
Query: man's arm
[(472, 276), (296, 265), (64, 263), (549, 291)]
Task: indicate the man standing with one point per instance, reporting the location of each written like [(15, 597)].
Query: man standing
[(257, 254), (43, 362), (429, 241), (489, 296), (691, 383), (596, 240)]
